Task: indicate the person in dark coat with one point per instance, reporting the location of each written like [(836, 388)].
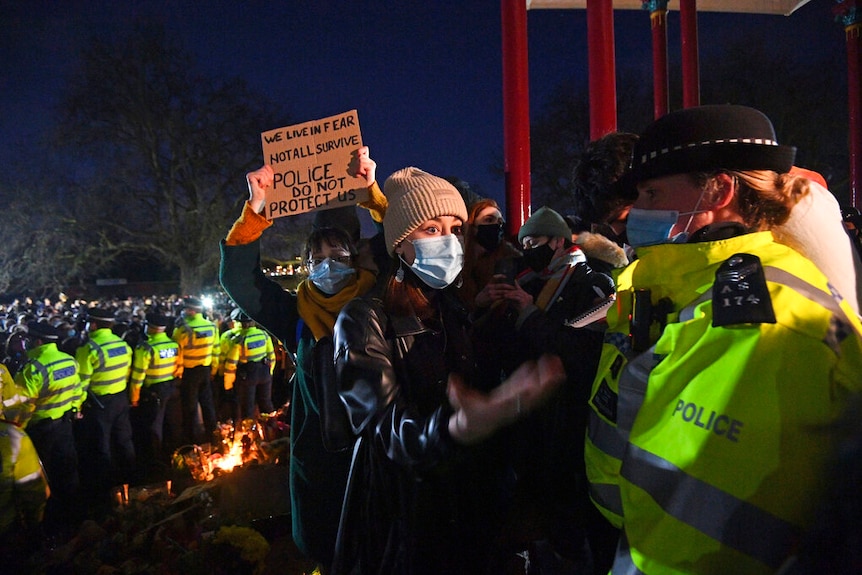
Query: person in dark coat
[(424, 490), (488, 255), (303, 322), (553, 520)]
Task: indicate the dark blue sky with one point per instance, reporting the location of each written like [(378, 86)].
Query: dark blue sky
[(425, 77)]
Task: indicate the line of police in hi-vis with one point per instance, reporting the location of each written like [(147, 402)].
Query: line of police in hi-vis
[(110, 408)]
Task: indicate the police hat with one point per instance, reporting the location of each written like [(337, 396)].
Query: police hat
[(101, 314), (157, 320), (708, 138), (43, 330), (193, 302)]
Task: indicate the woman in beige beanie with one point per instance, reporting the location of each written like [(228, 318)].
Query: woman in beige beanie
[(422, 495)]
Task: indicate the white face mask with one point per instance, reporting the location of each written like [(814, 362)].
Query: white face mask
[(438, 260)]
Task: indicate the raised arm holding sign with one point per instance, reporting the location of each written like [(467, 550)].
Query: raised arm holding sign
[(336, 276), (312, 166)]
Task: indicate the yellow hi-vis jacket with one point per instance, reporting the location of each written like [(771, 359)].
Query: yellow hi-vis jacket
[(154, 361), (251, 345), (23, 485), (716, 437), (17, 407), (104, 363), (198, 338), (224, 344), (50, 378)]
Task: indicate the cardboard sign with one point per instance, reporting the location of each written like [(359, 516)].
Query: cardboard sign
[(313, 166)]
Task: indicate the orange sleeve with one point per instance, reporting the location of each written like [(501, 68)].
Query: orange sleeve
[(247, 228), (376, 203)]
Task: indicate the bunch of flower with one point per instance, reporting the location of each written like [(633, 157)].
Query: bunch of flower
[(252, 546)]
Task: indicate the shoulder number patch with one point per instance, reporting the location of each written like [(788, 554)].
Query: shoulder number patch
[(740, 294)]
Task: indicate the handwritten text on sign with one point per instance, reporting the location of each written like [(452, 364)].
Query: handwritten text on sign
[(312, 164)]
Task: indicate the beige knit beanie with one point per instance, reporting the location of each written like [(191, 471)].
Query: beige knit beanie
[(415, 196)]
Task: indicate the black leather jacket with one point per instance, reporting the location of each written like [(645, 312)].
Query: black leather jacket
[(413, 497)]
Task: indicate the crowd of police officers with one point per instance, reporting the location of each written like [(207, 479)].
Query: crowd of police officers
[(105, 392)]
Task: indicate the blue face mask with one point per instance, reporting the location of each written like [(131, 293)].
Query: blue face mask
[(438, 260), (330, 276), (649, 227)]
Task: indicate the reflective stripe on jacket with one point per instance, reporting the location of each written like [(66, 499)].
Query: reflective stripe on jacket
[(252, 345), (224, 345), (199, 341), (154, 361)]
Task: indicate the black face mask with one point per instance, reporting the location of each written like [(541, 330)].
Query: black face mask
[(489, 235), (538, 258)]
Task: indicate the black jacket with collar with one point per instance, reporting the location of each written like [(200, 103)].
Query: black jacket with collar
[(416, 502)]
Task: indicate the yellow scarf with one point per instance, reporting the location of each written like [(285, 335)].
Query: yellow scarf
[(319, 311)]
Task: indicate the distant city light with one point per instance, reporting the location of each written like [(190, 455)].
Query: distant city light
[(280, 270)]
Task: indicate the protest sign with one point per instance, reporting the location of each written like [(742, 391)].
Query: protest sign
[(312, 164)]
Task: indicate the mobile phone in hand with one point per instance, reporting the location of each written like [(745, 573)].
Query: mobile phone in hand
[(507, 269)]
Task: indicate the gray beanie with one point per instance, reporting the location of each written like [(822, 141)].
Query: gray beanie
[(545, 222), (415, 196)]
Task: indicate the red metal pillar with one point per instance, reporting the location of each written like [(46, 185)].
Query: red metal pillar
[(516, 113), (602, 71), (850, 17), (690, 64), (658, 24)]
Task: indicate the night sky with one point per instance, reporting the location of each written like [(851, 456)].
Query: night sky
[(425, 77)]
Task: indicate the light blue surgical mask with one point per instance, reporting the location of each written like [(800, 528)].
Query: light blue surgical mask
[(650, 227), (438, 260), (330, 276)]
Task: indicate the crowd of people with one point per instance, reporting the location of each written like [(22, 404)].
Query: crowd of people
[(510, 405), (660, 382)]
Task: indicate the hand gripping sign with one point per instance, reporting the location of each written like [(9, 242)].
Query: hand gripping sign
[(312, 165)]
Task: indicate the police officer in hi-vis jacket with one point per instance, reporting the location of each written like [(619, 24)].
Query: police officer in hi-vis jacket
[(198, 339), (105, 442), (155, 392), (249, 363), (50, 379), (727, 357)]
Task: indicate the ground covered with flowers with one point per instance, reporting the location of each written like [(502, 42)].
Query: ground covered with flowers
[(235, 524)]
